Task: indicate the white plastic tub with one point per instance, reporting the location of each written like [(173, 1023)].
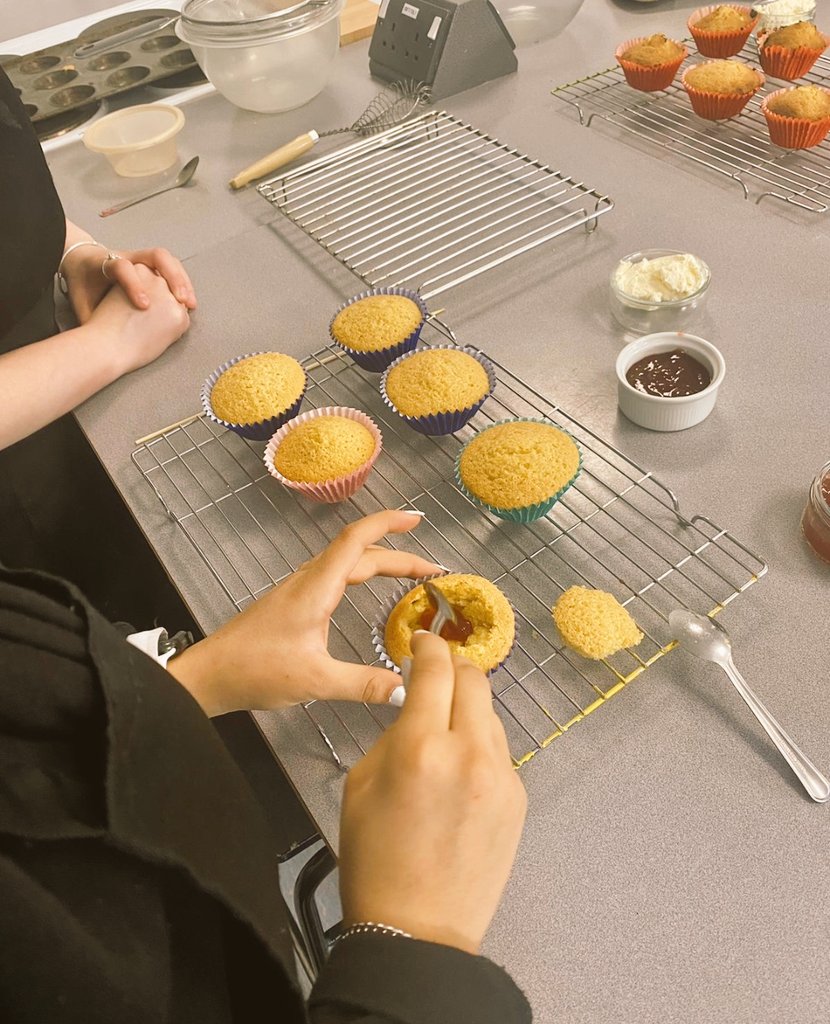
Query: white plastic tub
[(263, 62), (137, 140)]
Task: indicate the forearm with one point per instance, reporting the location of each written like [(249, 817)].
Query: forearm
[(41, 382)]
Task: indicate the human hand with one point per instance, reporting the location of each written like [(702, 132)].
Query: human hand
[(128, 337), (274, 653), (90, 275), (432, 815)]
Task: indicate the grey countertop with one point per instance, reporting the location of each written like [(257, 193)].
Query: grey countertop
[(671, 869)]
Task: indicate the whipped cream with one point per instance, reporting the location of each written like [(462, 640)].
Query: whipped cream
[(664, 279), (785, 12)]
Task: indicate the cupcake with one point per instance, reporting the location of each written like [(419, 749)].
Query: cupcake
[(594, 623), (650, 64), (254, 395), (797, 118), (791, 51), (325, 454), (378, 326), (438, 390), (484, 633), (518, 469), (720, 89), (722, 31)]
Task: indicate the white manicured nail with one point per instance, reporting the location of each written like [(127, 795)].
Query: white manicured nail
[(397, 696), (413, 512), (446, 568)]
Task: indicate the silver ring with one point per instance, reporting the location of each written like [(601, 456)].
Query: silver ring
[(110, 256)]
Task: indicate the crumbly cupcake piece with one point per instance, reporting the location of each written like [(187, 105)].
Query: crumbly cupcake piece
[(477, 600), (807, 102), (791, 37), (593, 623), (727, 77), (724, 19), (653, 51), (323, 449), (376, 322), (513, 465), (436, 380), (257, 388)]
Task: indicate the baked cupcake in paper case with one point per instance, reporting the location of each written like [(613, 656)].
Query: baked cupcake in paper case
[(377, 326), (790, 52), (481, 603), (720, 89), (325, 454), (797, 118), (721, 30), (438, 390), (518, 469), (650, 63), (254, 394)]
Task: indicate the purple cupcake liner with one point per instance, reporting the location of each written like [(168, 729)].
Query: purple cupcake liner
[(259, 431), (379, 625), (377, 361), (443, 422), (525, 513)]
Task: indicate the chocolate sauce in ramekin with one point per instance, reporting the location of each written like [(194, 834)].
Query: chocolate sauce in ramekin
[(672, 374)]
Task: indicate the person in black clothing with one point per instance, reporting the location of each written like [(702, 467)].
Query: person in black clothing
[(136, 881)]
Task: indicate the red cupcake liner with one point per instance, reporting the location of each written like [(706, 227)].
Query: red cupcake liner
[(645, 79), (783, 62), (720, 44), (793, 132), (718, 106), (338, 488)]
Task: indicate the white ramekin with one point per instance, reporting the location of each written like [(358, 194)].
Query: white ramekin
[(657, 413)]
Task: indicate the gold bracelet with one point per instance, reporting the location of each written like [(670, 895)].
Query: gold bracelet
[(371, 928), (63, 284)]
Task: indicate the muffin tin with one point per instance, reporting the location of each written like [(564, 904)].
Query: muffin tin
[(52, 81)]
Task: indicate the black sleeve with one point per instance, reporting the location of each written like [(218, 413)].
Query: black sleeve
[(378, 979)]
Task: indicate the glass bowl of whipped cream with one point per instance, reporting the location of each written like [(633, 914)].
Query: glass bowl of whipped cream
[(658, 290)]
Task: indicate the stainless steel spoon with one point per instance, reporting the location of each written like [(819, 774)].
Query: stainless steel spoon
[(182, 178), (707, 639)]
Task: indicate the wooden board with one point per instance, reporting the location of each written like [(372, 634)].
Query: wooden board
[(357, 20)]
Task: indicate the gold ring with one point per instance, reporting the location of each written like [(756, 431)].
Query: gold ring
[(110, 256)]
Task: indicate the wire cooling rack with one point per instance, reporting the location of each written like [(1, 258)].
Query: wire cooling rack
[(739, 148), (431, 203), (618, 528)]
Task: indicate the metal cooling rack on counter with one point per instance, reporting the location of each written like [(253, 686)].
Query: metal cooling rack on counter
[(739, 148), (618, 528), (431, 203)]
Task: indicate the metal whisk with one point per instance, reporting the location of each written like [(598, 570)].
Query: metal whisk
[(388, 108)]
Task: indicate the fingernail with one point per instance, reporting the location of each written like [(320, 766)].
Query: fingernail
[(446, 568), (421, 632), (144, 299), (413, 512), (182, 295), (397, 696)]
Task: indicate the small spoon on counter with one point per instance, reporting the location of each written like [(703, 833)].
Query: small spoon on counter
[(182, 178), (707, 639)]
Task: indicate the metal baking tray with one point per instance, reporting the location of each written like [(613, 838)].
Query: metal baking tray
[(53, 81)]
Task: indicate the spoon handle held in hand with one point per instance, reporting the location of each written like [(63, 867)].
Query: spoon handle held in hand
[(810, 777)]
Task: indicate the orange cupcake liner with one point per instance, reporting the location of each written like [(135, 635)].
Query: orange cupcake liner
[(720, 44), (645, 79), (718, 106), (793, 132), (783, 62)]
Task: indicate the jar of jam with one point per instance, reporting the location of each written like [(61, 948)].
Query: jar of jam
[(815, 523)]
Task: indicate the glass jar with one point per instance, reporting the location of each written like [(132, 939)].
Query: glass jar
[(780, 13), (815, 523), (647, 317), (532, 21)]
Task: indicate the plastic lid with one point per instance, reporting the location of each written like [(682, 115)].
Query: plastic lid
[(249, 20)]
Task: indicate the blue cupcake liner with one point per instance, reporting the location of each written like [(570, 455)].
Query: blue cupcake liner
[(259, 431), (442, 422), (377, 360), (379, 625), (526, 513)]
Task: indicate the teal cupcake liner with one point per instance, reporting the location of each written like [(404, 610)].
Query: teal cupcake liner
[(259, 431), (379, 625), (378, 360), (526, 513), (442, 422)]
